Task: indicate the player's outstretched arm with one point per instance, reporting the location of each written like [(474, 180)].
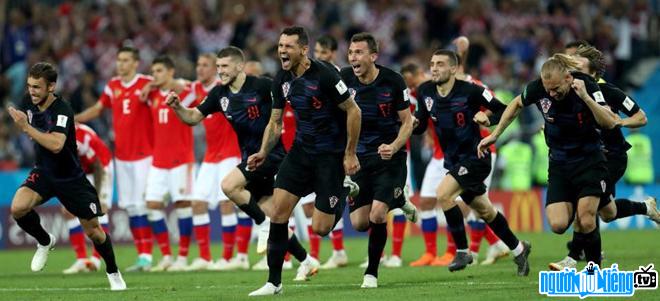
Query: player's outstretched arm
[(271, 136), (53, 141), (190, 116), (510, 113), (89, 113), (353, 126)]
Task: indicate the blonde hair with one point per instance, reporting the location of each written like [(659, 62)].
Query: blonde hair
[(595, 57), (559, 62)]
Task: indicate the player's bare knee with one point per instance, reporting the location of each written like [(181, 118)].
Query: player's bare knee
[(228, 187), (427, 203), (378, 213), (445, 201), (19, 210), (587, 223), (199, 207), (558, 226), (321, 229)]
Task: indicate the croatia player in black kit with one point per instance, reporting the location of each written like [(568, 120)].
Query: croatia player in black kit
[(48, 121), (246, 103), (574, 109), (454, 106), (383, 99), (324, 150), (591, 62)]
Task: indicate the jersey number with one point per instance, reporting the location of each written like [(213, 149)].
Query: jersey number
[(125, 109), (385, 109), (162, 115), (460, 119), (253, 112)]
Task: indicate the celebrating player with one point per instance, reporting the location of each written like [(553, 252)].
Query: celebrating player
[(48, 121)]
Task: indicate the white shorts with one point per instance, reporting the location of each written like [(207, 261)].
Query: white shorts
[(105, 191), (208, 181), (177, 181), (132, 181), (436, 171), (310, 198)]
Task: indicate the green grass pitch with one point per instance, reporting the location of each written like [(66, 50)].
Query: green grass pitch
[(497, 282)]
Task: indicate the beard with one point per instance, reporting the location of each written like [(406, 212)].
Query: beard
[(441, 81)]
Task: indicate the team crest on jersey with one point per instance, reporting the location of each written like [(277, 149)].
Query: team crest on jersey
[(224, 103), (29, 114), (92, 207), (603, 185), (352, 92), (117, 92), (333, 201), (429, 103), (397, 192), (462, 171), (285, 89), (545, 105)]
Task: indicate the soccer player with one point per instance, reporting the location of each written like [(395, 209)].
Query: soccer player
[(48, 121), (454, 107), (132, 125), (478, 228), (172, 169), (222, 155), (591, 62), (383, 99), (96, 162), (325, 49), (324, 151), (245, 101), (573, 109)]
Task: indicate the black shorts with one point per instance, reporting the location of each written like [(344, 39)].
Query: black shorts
[(77, 195), (260, 181), (616, 167), (570, 182), (382, 180), (470, 175), (302, 173)]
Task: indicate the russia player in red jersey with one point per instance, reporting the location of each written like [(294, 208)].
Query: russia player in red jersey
[(222, 155), (132, 126), (172, 169), (96, 162)]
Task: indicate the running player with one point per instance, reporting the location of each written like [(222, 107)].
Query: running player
[(382, 96), (592, 63), (328, 127), (96, 162), (222, 155), (571, 103), (48, 121), (133, 129), (454, 107)]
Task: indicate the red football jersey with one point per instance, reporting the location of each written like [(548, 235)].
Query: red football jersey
[(173, 139), (131, 119), (221, 141), (288, 128), (91, 148)]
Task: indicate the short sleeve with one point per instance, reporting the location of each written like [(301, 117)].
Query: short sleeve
[(62, 119), (211, 103), (594, 91), (529, 94), (333, 87), (106, 97), (618, 100), (401, 93), (265, 86), (276, 93)]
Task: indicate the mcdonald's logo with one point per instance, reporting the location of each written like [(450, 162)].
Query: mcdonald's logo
[(525, 212)]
